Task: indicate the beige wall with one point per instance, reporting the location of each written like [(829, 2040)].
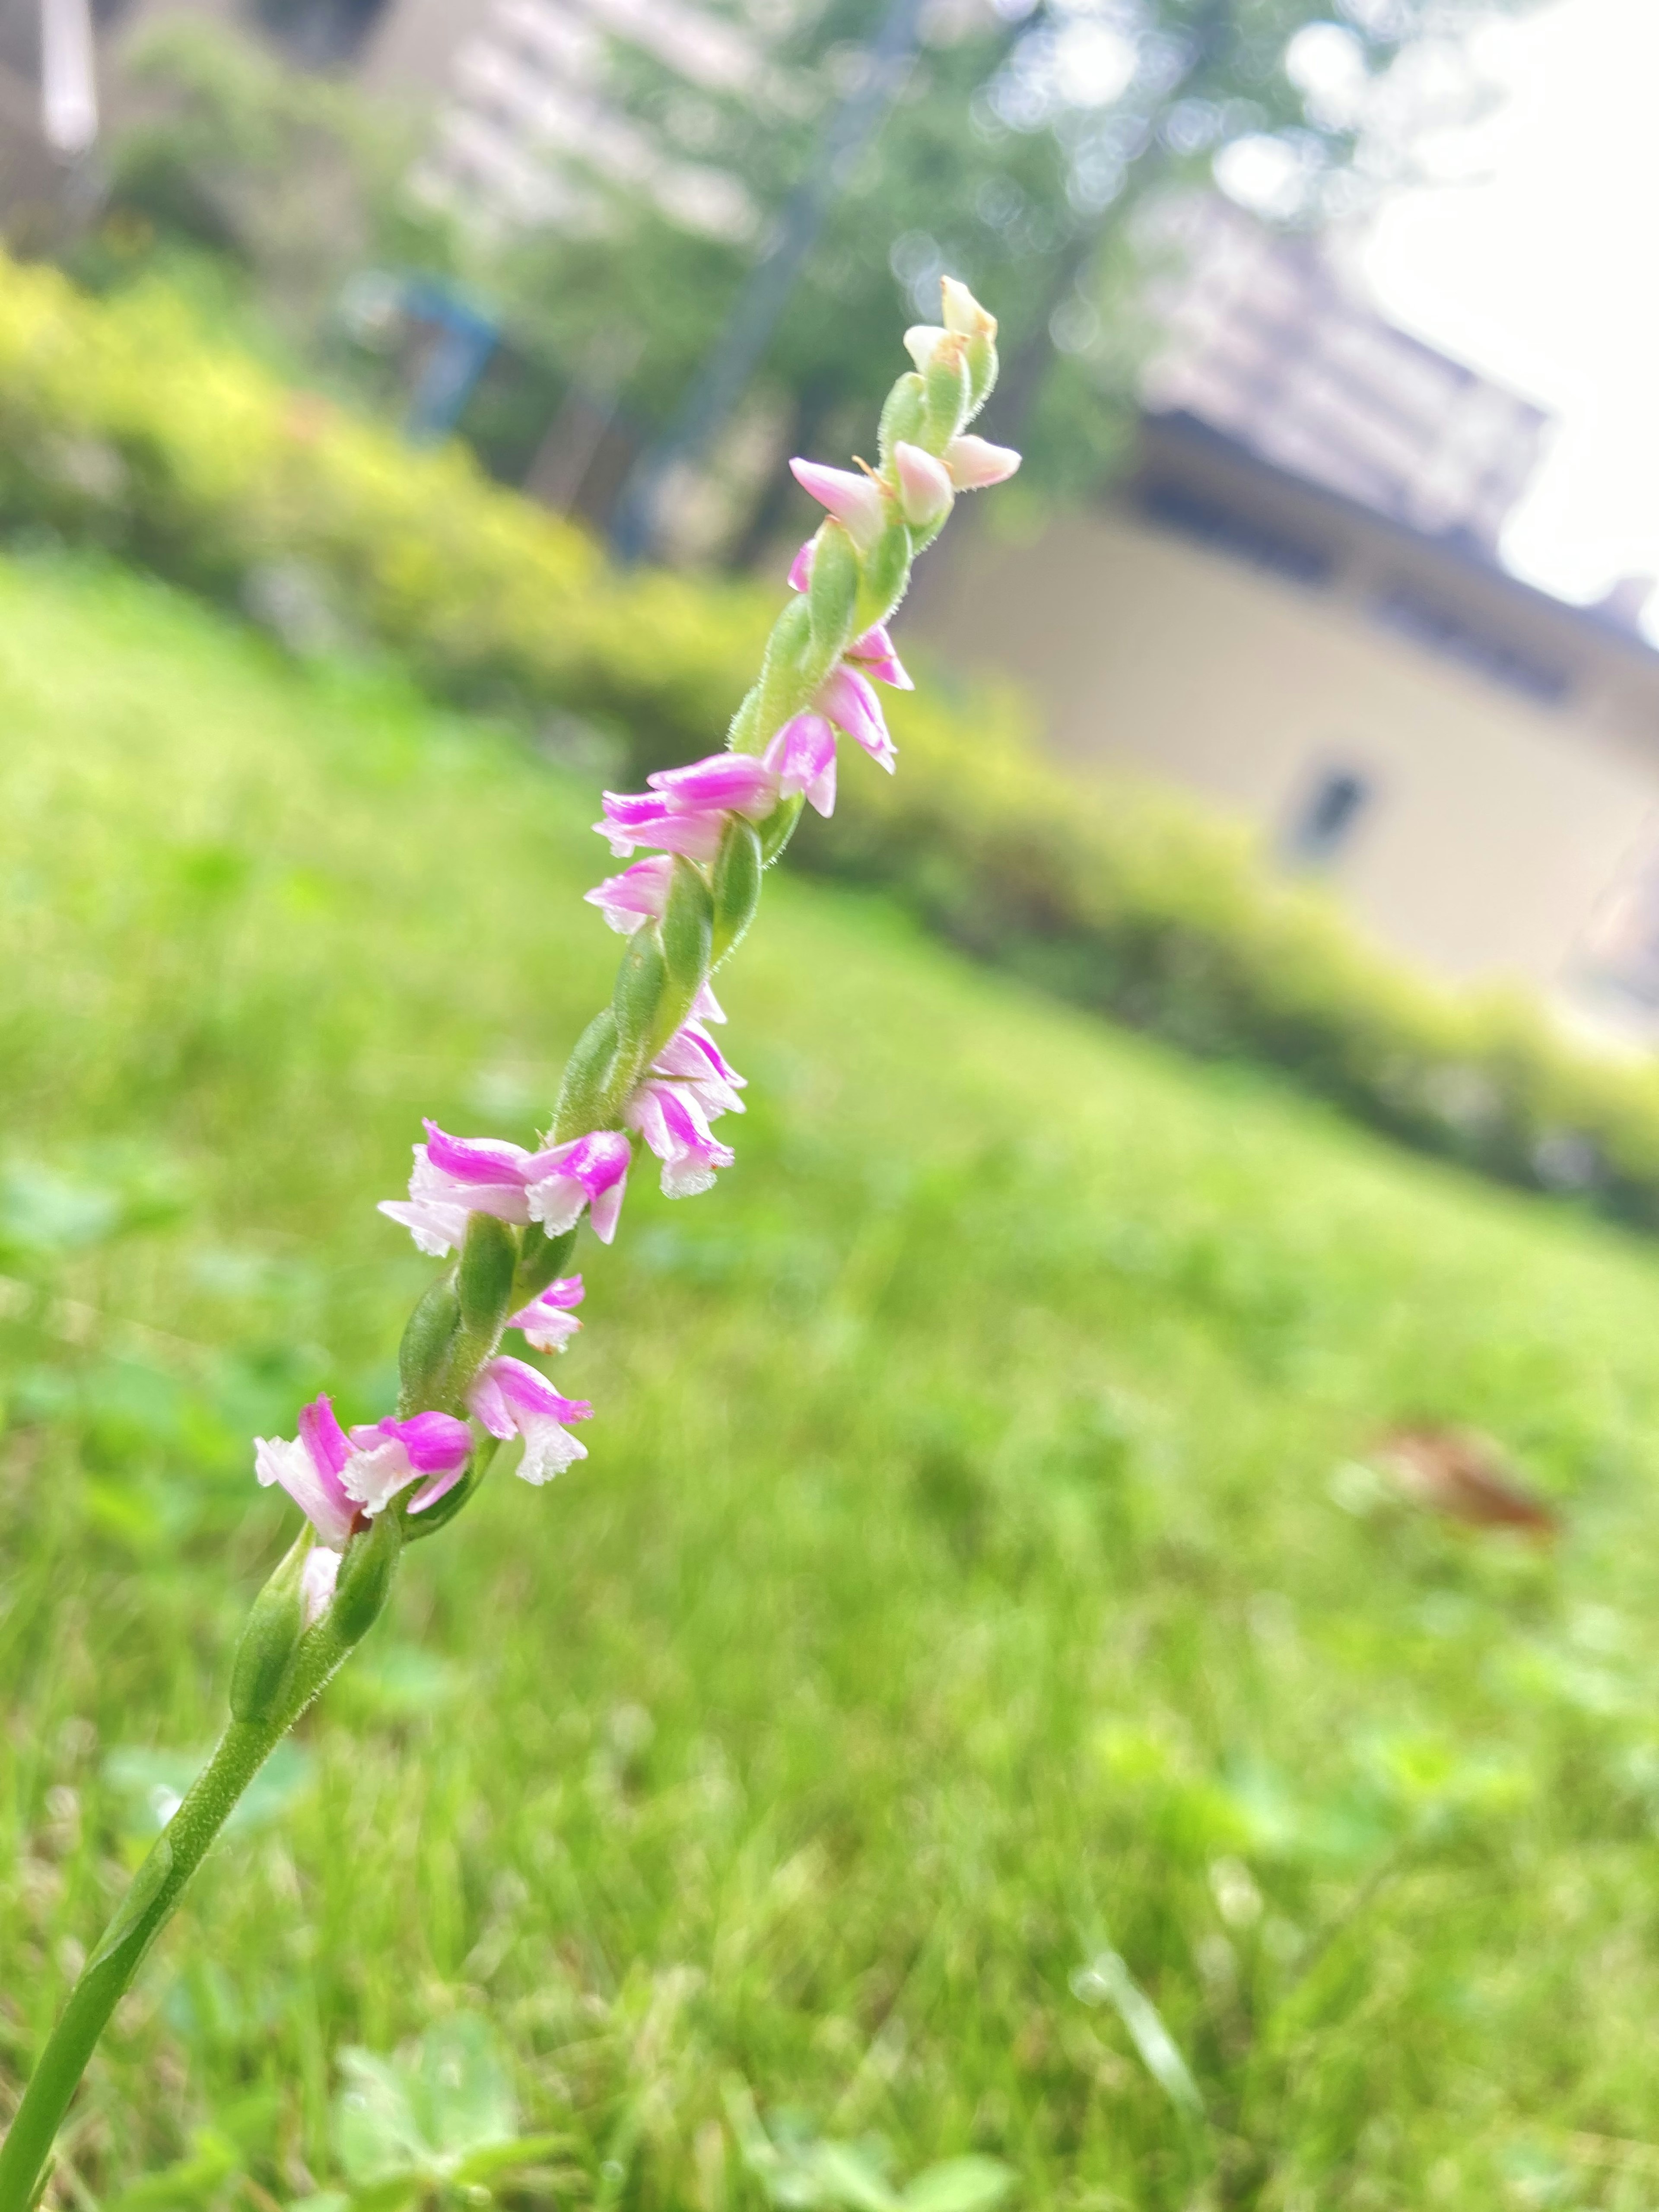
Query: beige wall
[(1497, 823)]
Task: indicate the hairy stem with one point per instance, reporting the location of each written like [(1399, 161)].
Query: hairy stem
[(152, 1897)]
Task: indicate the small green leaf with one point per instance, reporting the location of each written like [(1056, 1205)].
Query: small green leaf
[(959, 2184), (377, 2136), (495, 2157), (461, 2093)]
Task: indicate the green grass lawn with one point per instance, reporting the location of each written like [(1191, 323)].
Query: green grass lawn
[(960, 1585)]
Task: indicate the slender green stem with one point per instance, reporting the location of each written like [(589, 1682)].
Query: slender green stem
[(152, 1897)]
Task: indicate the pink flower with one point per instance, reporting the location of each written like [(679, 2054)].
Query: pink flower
[(647, 818), (925, 488), (675, 1127), (640, 894), (847, 699), (511, 1399), (590, 1171), (331, 1476), (387, 1456), (690, 1084), (874, 653), (547, 1320), (308, 1468), (692, 1055), (800, 569), (802, 756), (854, 501), (455, 1176), (735, 781), (685, 809), (974, 463)]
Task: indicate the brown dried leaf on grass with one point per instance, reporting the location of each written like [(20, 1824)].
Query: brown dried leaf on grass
[(1464, 1476)]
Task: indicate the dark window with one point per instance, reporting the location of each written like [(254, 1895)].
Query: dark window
[(1327, 818), (1212, 522), (1443, 629)]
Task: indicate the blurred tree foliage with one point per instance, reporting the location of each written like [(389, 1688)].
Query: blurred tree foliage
[(1021, 147)]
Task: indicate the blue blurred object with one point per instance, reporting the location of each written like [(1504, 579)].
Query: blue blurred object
[(465, 338)]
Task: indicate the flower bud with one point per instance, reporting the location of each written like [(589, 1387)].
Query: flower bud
[(483, 1280), (974, 463), (853, 500), (271, 1636), (925, 493), (947, 390), (962, 312), (964, 315), (737, 885)]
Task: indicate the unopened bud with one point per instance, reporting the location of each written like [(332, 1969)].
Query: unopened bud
[(974, 463), (962, 312), (965, 317), (948, 390), (925, 492)]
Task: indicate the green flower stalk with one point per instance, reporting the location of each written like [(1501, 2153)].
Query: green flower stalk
[(646, 1075)]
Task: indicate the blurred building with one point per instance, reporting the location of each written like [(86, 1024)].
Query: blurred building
[(530, 99), (1294, 606)]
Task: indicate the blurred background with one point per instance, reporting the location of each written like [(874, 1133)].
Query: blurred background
[(1108, 1626)]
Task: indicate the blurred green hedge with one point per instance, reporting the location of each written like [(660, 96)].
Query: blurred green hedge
[(120, 427)]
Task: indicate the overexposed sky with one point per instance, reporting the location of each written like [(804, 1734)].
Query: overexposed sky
[(1540, 266)]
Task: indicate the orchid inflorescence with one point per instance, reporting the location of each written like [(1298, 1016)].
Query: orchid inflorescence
[(647, 1073)]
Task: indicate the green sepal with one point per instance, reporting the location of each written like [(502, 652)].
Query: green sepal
[(902, 417), (982, 358), (365, 1573), (687, 932), (744, 734), (442, 1512), (947, 390), (584, 1094), (428, 1339), (635, 1002), (483, 1280), (886, 574), (832, 593), (738, 867), (540, 1261), (271, 1636), (779, 828), (788, 675)]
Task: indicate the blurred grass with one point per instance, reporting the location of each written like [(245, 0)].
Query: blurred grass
[(956, 1591)]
